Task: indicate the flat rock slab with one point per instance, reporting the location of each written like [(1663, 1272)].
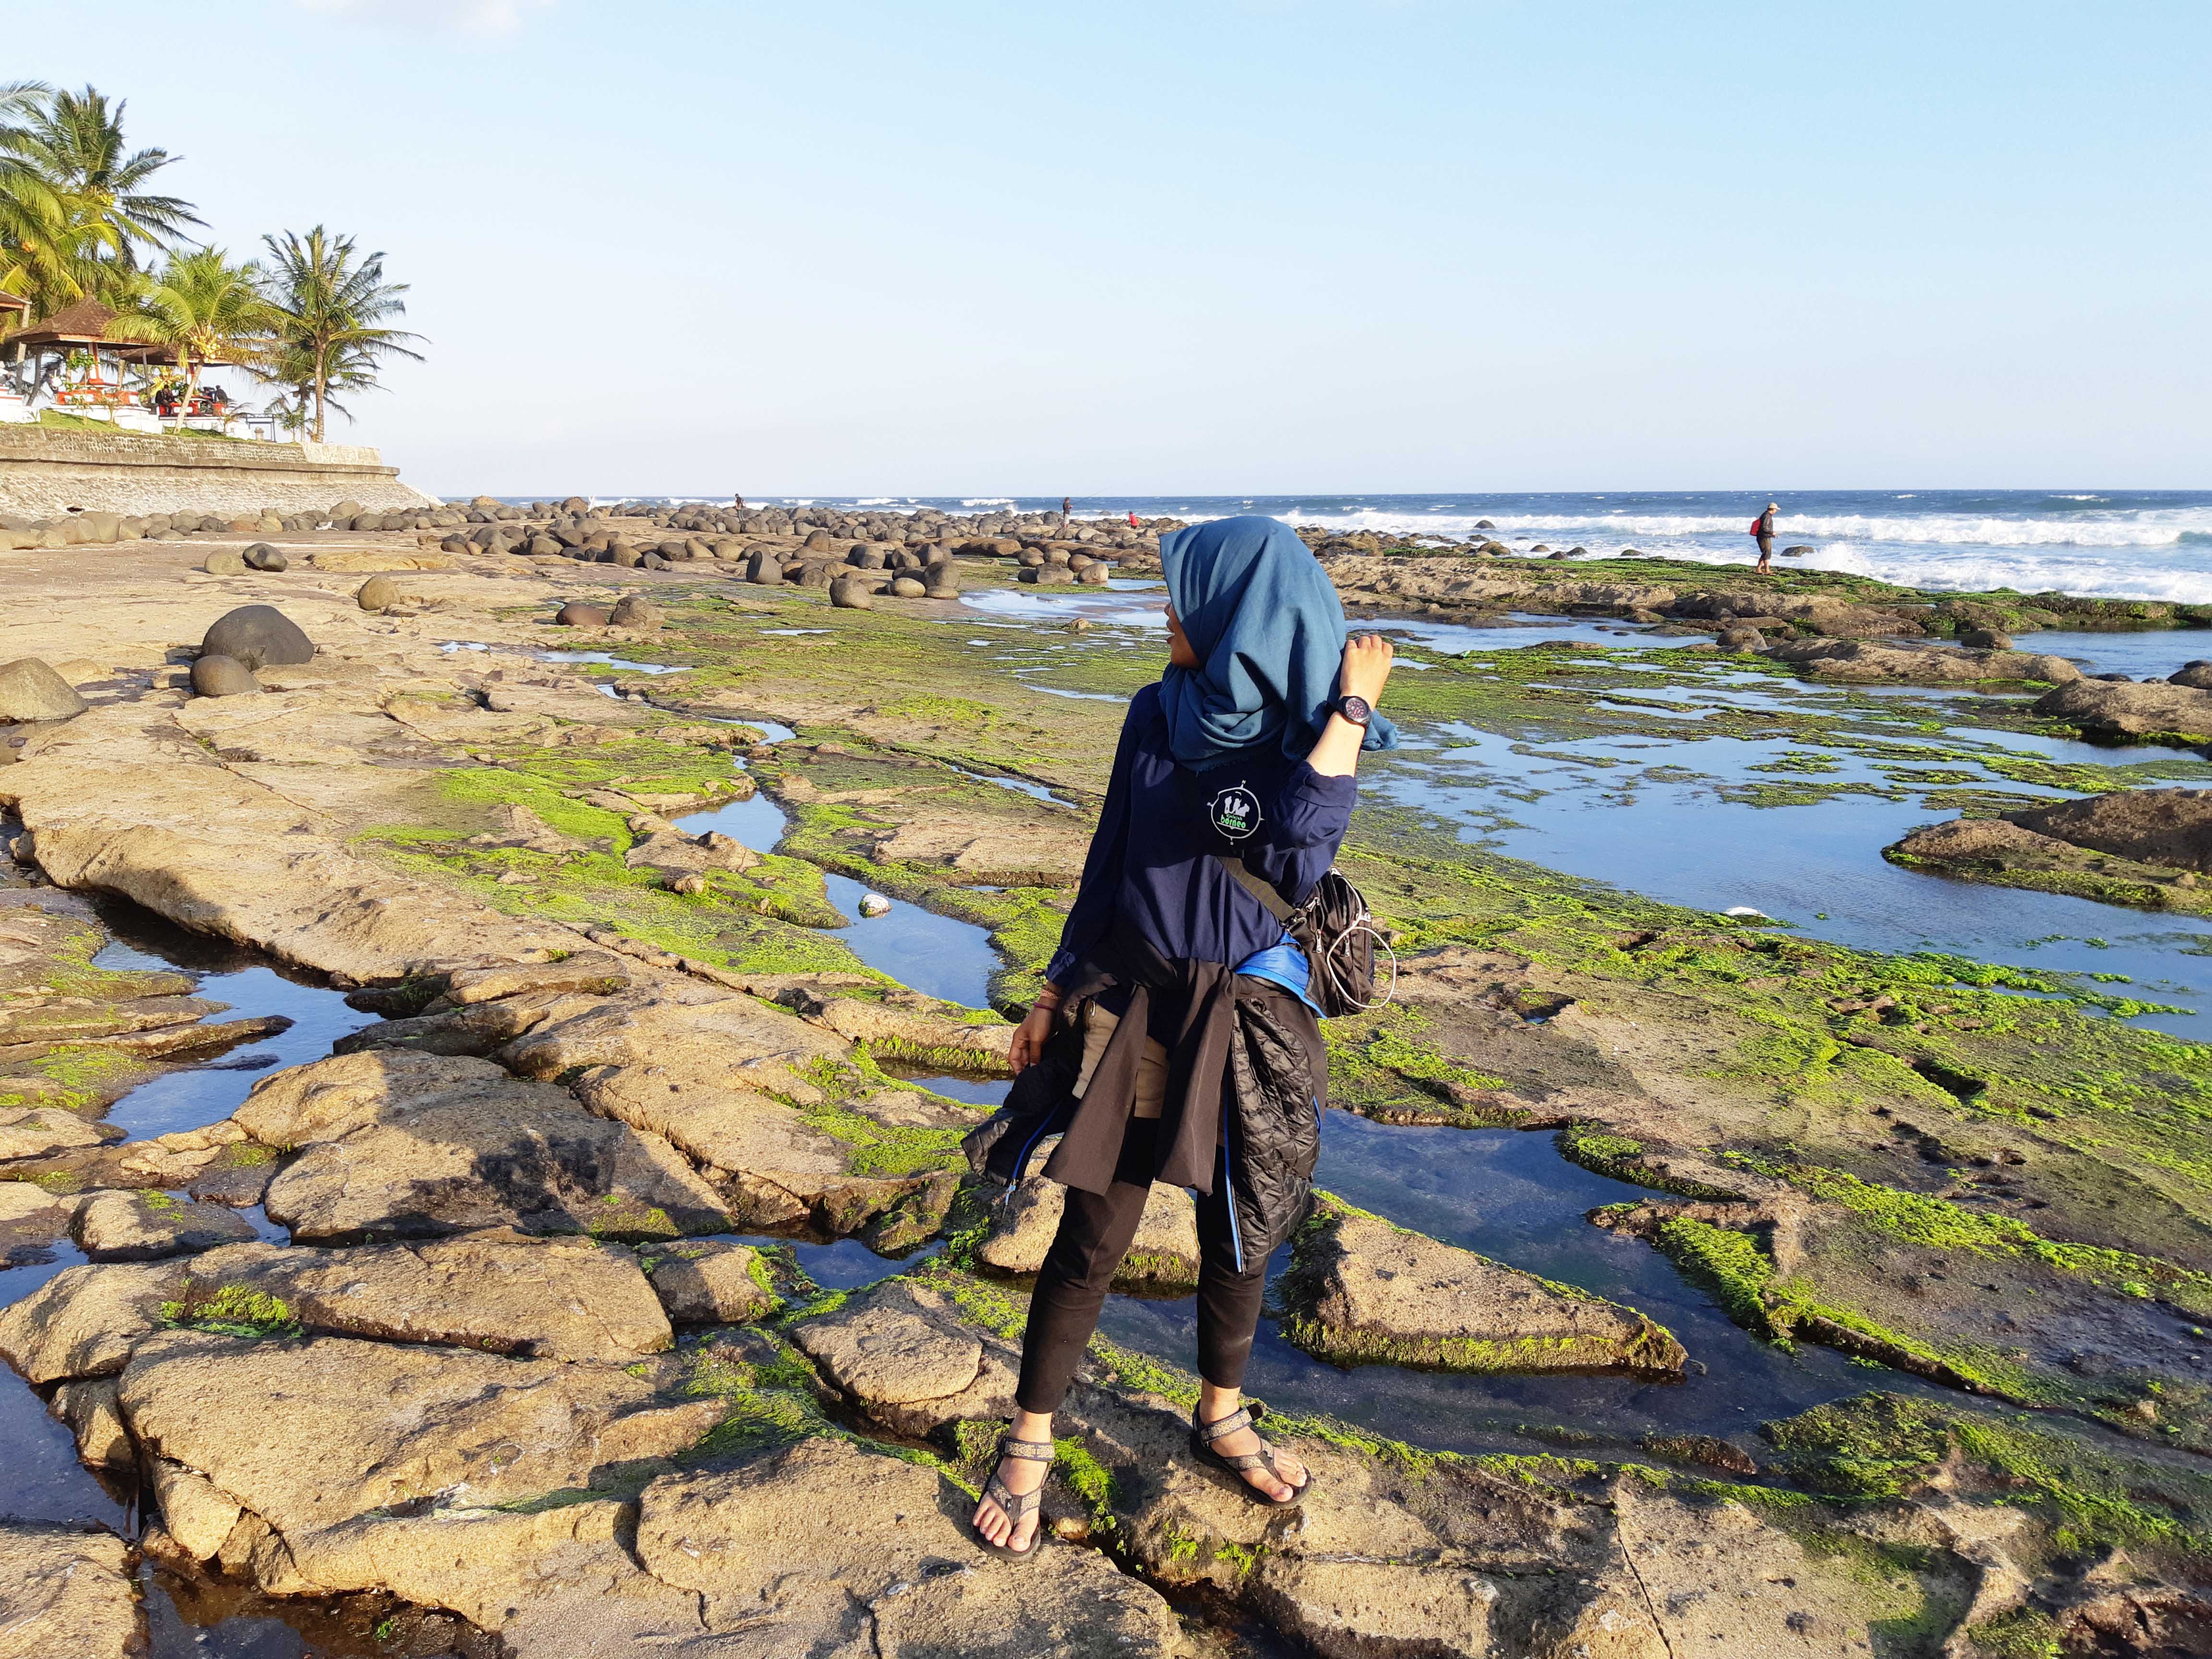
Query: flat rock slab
[(886, 1354), (158, 1164), (2005, 853), (145, 1226), (1163, 1257), (702, 1071), (479, 1028), (2152, 826), (2121, 708), (123, 799), (567, 699), (84, 1322), (30, 1220), (556, 1299), (66, 1594), (1865, 660), (545, 1298), (1362, 1291), (400, 1145), (87, 1019), (42, 1131), (982, 1047), (711, 1283), (866, 1553), (712, 1039), (337, 1428)]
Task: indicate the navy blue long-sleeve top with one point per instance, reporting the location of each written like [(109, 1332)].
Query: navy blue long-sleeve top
[(1152, 860)]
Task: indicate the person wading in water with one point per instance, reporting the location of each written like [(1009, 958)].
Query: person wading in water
[(1762, 529), (1174, 1039)]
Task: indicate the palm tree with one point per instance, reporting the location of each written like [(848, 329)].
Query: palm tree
[(73, 143), (19, 99), (333, 305), (347, 369), (72, 209), (53, 251), (203, 308)]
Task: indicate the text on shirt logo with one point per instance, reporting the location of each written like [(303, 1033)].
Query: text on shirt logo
[(1235, 812)]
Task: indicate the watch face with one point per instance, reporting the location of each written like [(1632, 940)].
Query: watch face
[(1356, 709)]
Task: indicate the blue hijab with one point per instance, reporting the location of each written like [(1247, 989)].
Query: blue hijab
[(1268, 628)]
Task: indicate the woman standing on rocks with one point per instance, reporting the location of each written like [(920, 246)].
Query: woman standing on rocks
[(1174, 1041)]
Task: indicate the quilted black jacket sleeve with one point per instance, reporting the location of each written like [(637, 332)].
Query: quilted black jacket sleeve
[(1278, 1074)]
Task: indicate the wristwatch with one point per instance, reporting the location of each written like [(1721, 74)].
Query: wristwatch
[(1357, 710)]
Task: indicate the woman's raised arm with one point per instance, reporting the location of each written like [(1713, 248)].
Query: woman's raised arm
[(1365, 672)]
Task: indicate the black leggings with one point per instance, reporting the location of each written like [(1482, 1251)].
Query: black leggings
[(1095, 1234)]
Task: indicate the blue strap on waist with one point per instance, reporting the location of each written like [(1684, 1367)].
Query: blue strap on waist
[(1282, 963)]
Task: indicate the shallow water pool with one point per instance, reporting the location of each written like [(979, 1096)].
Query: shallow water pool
[(937, 955), (1508, 1194)]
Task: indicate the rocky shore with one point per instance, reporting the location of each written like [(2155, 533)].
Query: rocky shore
[(493, 1317)]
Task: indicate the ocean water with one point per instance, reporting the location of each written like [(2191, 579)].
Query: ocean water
[(2151, 544)]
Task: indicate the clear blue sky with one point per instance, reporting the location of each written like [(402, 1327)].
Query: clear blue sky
[(1036, 248)]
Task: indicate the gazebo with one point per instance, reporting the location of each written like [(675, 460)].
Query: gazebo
[(85, 326), (82, 327)]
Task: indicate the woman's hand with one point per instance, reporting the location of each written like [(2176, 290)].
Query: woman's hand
[(1365, 671), (1034, 1030), (1367, 668)]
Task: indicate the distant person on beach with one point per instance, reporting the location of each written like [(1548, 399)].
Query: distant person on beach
[(1134, 524), (1762, 528), (1066, 505), (740, 500)]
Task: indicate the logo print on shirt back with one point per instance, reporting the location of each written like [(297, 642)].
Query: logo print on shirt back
[(1235, 812)]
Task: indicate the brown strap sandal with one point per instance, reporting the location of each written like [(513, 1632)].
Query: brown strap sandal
[(1202, 1436), (1017, 1506)]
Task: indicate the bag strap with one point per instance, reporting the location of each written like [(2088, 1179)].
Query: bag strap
[(1258, 889)]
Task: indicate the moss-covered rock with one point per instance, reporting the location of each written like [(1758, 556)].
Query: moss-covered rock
[(1363, 1291)]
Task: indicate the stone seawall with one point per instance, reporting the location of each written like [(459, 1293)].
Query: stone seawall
[(46, 473)]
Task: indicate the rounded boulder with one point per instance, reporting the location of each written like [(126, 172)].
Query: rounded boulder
[(852, 594), (377, 593), (224, 561), (1741, 639), (260, 636), (2196, 675), (218, 675), (906, 587), (635, 611), (31, 691), (262, 557), (576, 614)]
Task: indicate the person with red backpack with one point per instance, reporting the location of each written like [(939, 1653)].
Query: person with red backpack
[(1762, 530)]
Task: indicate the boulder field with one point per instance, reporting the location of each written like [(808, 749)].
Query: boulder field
[(510, 1363)]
